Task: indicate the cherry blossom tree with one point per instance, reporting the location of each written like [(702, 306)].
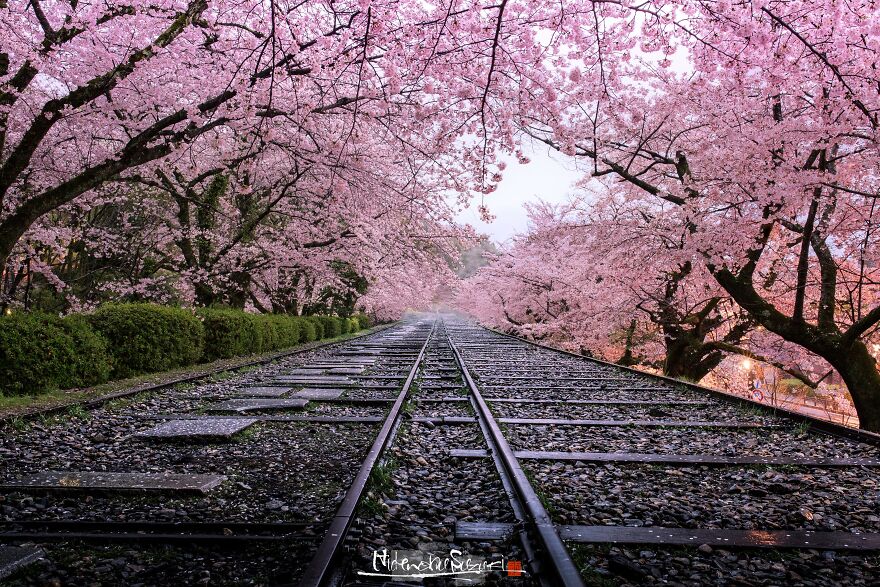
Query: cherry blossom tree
[(744, 132), (752, 127), (598, 278)]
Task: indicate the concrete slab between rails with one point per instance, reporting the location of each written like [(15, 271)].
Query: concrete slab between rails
[(263, 391), (126, 482), (483, 530), (13, 558), (468, 453), (317, 393), (249, 405), (446, 420), (307, 371), (346, 370), (692, 459), (328, 381), (219, 428), (728, 538), (383, 377), (363, 363), (361, 401), (640, 423)]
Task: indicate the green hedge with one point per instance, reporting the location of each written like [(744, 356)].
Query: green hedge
[(331, 326), (318, 325), (39, 352), (146, 338), (363, 321), (229, 333), (307, 330)]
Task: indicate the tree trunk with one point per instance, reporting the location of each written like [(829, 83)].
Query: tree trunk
[(849, 357), (204, 295), (9, 235), (688, 358), (859, 371), (628, 359)]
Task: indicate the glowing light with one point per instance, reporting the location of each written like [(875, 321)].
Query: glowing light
[(9, 313), (746, 364)]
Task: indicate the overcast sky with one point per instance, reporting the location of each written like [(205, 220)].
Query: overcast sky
[(548, 176)]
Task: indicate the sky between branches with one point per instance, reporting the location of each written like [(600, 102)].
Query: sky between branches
[(548, 177)]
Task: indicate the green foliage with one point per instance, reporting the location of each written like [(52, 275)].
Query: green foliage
[(39, 352), (363, 320), (230, 333), (288, 330), (145, 338), (268, 331), (91, 362), (318, 325), (331, 326), (344, 325), (308, 330)]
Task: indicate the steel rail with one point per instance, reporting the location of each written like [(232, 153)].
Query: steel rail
[(322, 570), (96, 402), (818, 424), (555, 566)]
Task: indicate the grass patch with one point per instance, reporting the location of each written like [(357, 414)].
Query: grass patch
[(247, 434), (371, 506), (78, 412), (580, 556), (551, 511), (125, 402), (19, 424), (801, 428), (379, 483), (381, 475)]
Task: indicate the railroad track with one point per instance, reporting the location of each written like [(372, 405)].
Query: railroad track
[(538, 467)]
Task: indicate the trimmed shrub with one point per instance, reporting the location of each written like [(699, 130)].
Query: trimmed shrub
[(353, 324), (146, 338), (269, 332), (331, 326), (91, 363), (308, 330), (343, 325), (229, 333), (288, 330), (318, 325), (39, 352), (363, 320)]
